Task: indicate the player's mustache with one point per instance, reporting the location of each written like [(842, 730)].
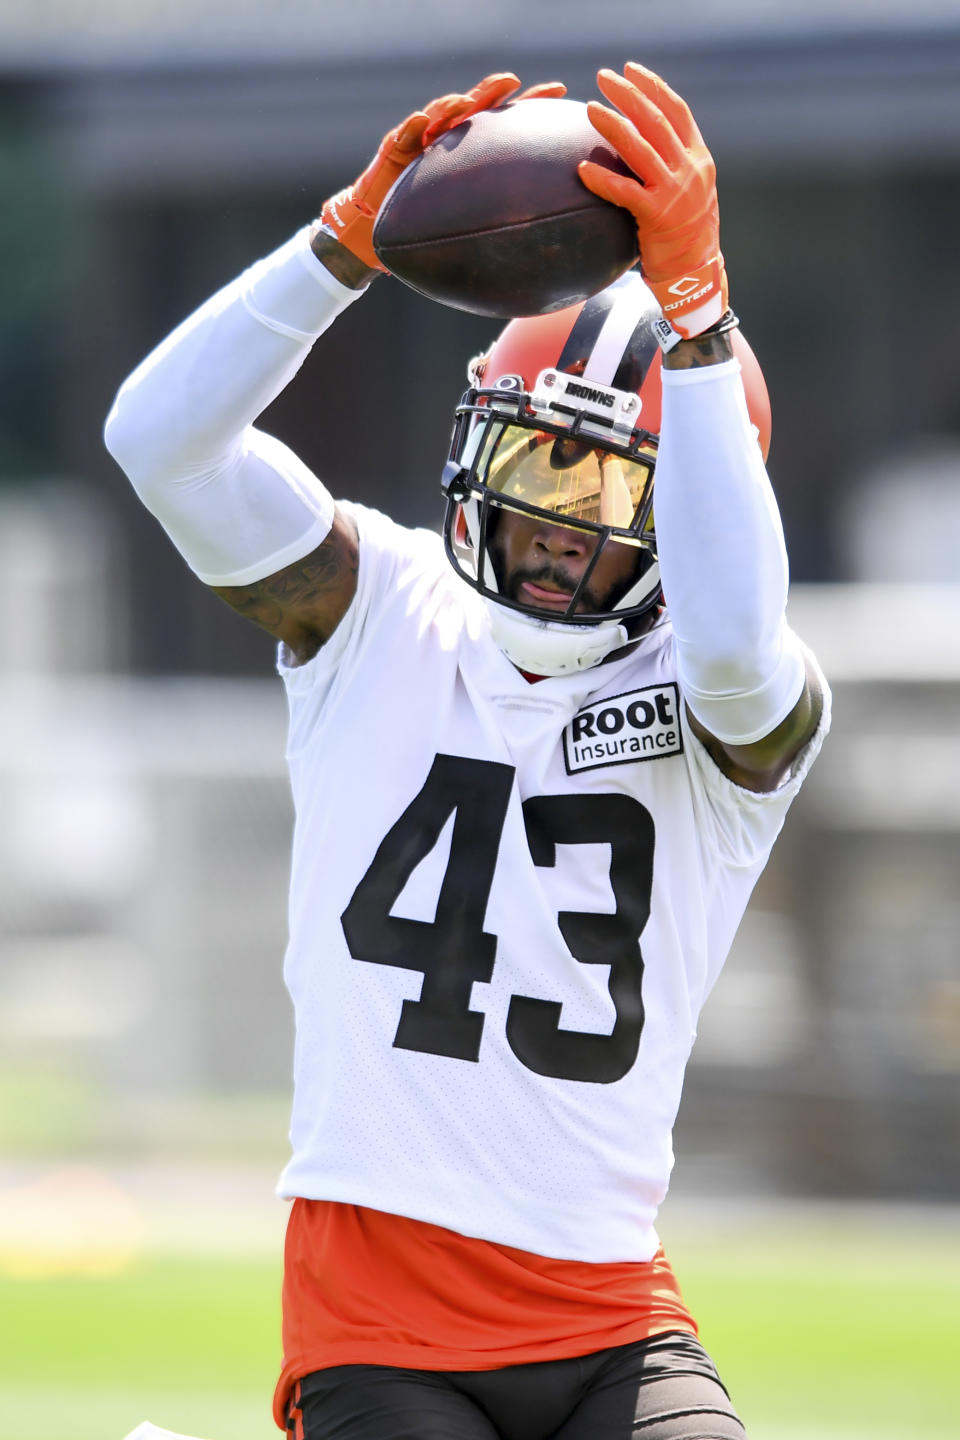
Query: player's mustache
[(548, 576)]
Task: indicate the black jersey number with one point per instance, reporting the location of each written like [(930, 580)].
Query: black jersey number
[(453, 950)]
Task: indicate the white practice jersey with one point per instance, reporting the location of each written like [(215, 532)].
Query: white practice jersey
[(509, 902)]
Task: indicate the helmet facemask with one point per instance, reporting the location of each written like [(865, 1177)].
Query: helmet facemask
[(550, 432), (559, 430), (566, 454)]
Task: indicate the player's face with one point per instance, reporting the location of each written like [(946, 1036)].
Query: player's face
[(540, 562)]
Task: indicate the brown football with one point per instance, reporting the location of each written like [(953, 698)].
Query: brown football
[(492, 218)]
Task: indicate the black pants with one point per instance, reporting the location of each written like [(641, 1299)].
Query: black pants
[(665, 1388)]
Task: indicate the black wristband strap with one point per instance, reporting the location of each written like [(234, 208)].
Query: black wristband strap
[(667, 337), (727, 321)]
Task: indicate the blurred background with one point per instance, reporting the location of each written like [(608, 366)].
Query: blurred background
[(149, 150)]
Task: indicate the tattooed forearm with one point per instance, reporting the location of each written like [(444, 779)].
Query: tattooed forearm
[(701, 350), (307, 599), (253, 602), (297, 587)]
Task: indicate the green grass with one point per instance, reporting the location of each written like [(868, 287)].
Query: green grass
[(825, 1327), (191, 1344)]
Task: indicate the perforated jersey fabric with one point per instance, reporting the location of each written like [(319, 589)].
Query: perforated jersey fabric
[(508, 904)]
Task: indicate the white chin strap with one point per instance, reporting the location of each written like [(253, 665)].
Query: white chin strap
[(544, 647)]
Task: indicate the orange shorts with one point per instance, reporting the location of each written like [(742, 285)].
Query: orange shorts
[(364, 1287)]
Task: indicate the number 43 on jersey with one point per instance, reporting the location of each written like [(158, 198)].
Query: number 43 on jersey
[(454, 951)]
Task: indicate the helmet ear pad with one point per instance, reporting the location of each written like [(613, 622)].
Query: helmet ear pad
[(468, 536), (494, 551), (461, 534)]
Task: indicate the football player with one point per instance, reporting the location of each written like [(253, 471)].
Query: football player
[(538, 765)]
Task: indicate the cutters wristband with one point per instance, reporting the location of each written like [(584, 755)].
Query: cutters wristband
[(667, 337)]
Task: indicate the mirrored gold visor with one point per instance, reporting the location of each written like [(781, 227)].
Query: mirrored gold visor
[(566, 475)]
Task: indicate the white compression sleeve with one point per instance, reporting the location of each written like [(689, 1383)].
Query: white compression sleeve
[(722, 559), (237, 503)]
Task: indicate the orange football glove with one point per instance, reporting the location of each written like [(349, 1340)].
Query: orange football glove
[(350, 215), (673, 199)]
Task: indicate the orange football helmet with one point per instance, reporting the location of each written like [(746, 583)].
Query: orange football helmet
[(561, 421)]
